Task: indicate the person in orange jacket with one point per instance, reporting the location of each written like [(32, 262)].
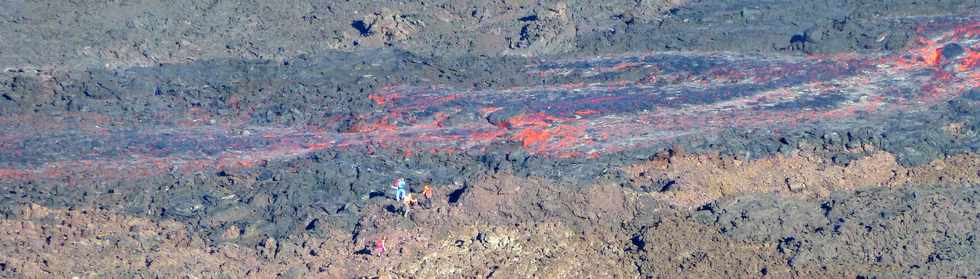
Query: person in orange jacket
[(427, 194)]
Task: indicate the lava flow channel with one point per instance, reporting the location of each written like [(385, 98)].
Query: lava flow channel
[(679, 94), (676, 94)]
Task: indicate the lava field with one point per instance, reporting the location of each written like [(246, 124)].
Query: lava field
[(636, 101), (561, 139)]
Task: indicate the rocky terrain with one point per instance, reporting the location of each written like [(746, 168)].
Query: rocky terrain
[(562, 139)]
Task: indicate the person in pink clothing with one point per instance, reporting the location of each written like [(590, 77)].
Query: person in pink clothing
[(379, 245)]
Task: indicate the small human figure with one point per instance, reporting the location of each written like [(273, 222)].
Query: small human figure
[(409, 201), (427, 194), (379, 245), (400, 189)]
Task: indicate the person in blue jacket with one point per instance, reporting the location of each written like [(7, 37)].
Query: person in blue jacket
[(400, 189)]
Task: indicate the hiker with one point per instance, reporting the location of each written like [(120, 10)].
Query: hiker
[(399, 186), (427, 194), (379, 245), (409, 201)]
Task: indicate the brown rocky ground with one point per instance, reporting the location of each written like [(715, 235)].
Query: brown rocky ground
[(699, 179), (505, 226)]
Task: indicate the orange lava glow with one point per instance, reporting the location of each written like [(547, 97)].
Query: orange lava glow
[(970, 60), (380, 100), (539, 120), (932, 58), (384, 124), (532, 136)]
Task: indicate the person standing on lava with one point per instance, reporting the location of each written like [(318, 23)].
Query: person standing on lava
[(379, 245), (408, 201), (427, 194), (400, 188)]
